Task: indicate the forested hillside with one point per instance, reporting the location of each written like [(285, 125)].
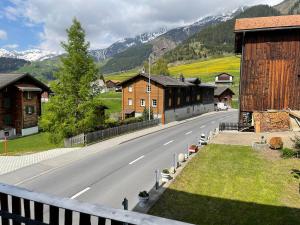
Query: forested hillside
[(10, 64), (216, 39), (131, 58)]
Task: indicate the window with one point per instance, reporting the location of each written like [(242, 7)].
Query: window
[(148, 88), (178, 101), (198, 97), (130, 89), (29, 109), (28, 95), (130, 101), (187, 98), (7, 103), (7, 120), (170, 102), (154, 103), (143, 103)]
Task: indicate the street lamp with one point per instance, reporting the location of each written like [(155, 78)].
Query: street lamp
[(149, 82)]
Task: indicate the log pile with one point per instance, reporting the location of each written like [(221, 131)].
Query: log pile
[(271, 121)]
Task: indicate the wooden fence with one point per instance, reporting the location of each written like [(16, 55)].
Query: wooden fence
[(101, 135), (20, 206)]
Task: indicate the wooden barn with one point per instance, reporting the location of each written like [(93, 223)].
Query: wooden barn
[(270, 69), (20, 104)]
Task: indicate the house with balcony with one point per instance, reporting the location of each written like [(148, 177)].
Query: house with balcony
[(171, 99), (20, 104)]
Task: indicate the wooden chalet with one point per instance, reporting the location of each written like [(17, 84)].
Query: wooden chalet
[(170, 98), (20, 104), (224, 79), (223, 94), (270, 67)]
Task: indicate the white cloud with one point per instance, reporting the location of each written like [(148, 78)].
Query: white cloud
[(106, 21), (11, 46), (3, 35)]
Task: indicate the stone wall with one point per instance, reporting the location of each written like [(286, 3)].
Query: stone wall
[(271, 121), (187, 112)]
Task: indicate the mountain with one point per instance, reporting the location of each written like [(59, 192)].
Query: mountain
[(289, 7), (161, 44), (215, 39), (28, 55), (10, 64), (122, 45)]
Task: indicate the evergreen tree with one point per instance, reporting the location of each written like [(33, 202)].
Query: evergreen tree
[(73, 108)]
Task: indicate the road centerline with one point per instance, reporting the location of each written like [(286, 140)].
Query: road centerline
[(169, 142), (80, 193), (139, 158)]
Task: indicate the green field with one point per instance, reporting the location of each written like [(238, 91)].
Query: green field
[(30, 144), (112, 100), (233, 185), (204, 69)]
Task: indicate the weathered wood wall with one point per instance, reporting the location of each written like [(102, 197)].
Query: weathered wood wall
[(270, 77)]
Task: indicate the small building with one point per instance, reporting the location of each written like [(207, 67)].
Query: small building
[(223, 94), (20, 104), (170, 99), (99, 86), (224, 79), (113, 85), (270, 69)]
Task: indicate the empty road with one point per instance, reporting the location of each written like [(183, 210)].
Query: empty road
[(124, 170)]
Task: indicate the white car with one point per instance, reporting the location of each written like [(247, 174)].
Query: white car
[(221, 106), (202, 140)]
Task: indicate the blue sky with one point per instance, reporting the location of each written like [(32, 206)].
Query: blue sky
[(18, 33), (27, 24)]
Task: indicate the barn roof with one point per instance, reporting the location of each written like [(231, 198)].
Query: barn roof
[(267, 23), (10, 78), (221, 89)]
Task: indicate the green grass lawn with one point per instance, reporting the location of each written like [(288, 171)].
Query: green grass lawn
[(113, 100), (29, 144), (232, 185)]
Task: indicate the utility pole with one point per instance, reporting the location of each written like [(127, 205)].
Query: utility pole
[(149, 89)]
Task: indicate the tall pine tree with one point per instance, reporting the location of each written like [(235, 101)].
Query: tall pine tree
[(73, 108)]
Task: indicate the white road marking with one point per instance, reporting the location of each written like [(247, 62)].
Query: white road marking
[(188, 132), (80, 193), (202, 126), (136, 160), (168, 143)]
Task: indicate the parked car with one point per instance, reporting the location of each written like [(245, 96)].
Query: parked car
[(221, 106), (202, 140)]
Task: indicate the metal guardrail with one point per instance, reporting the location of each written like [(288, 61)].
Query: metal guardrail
[(108, 133), (26, 207)]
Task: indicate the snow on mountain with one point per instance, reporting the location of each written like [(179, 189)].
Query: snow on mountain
[(28, 55), (123, 44)]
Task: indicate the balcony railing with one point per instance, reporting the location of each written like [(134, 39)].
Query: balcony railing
[(26, 207)]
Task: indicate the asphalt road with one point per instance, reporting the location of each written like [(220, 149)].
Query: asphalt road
[(125, 170)]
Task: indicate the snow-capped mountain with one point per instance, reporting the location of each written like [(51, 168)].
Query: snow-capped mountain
[(28, 55), (122, 45)]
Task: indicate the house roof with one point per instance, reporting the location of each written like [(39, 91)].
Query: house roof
[(220, 90), (267, 23), (166, 81), (10, 78)]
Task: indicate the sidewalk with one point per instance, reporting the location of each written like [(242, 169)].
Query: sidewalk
[(59, 157)]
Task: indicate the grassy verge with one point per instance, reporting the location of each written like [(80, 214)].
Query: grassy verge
[(233, 185), (113, 100), (29, 144)]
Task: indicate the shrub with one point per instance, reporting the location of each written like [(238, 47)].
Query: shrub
[(287, 153), (166, 171), (276, 143)]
